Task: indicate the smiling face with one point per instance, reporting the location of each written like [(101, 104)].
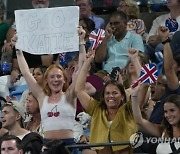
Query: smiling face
[(40, 3), (172, 113), (112, 97), (55, 80)]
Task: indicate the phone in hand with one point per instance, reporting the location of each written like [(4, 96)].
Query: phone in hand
[(114, 73)]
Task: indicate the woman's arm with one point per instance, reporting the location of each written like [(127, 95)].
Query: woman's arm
[(82, 54), (34, 87), (172, 79), (82, 95), (133, 55), (151, 128)]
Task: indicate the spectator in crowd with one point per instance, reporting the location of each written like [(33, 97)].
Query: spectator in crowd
[(57, 99), (158, 91), (3, 26), (7, 82), (118, 123), (165, 85), (132, 69), (131, 9), (170, 69), (32, 108), (86, 12), (44, 60), (170, 20), (40, 4), (11, 144), (12, 117), (113, 50), (170, 127)]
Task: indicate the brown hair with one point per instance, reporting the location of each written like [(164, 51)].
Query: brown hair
[(120, 87), (174, 99)]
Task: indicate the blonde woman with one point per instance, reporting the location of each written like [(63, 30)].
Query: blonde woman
[(131, 9)]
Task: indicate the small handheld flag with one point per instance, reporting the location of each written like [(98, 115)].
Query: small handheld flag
[(148, 74), (96, 37)]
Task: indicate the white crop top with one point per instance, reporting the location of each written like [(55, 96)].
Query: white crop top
[(165, 148), (58, 115)]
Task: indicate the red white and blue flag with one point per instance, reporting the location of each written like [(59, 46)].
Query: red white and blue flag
[(96, 37), (148, 74)]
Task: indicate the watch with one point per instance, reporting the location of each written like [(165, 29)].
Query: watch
[(166, 41)]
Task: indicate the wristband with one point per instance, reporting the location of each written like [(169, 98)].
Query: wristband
[(82, 43), (166, 41)]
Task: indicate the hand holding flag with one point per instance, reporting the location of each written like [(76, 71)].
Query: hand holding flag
[(148, 74), (96, 37)]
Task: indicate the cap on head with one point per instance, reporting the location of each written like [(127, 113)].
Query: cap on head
[(17, 106)]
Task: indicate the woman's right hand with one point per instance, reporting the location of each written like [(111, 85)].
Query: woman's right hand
[(82, 34), (90, 56)]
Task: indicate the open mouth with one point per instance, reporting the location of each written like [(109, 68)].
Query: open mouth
[(3, 121)]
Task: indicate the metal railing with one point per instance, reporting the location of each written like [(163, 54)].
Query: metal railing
[(84, 146)]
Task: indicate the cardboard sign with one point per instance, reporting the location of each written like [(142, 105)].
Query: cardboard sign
[(47, 30)]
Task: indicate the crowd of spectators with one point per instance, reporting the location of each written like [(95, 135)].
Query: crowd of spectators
[(52, 101)]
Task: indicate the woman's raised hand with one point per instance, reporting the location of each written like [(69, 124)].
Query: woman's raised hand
[(90, 56), (82, 34), (132, 53)]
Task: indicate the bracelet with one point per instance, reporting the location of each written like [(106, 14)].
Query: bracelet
[(166, 41), (82, 43)]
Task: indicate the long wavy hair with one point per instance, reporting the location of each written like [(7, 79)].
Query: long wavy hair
[(174, 99), (119, 86), (46, 88)]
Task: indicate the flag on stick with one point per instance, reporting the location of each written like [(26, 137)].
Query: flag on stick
[(148, 74), (96, 37)]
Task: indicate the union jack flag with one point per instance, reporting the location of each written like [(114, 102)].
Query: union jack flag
[(148, 74), (96, 37)]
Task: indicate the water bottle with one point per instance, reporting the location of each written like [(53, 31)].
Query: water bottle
[(4, 64)]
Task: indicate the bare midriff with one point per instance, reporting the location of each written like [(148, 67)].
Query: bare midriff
[(58, 134)]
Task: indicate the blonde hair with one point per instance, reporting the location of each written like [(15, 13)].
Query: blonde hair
[(132, 10), (46, 88)]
